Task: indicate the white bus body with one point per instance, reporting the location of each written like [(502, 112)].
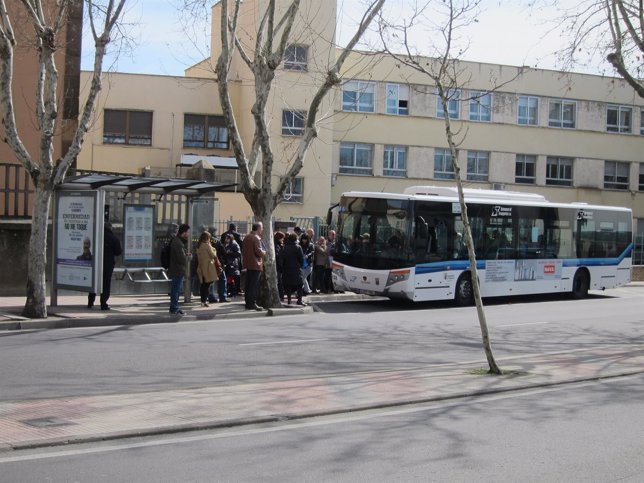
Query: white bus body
[(408, 245)]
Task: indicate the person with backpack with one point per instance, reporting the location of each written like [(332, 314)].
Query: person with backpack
[(177, 266)]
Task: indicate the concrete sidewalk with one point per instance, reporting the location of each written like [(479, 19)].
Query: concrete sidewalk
[(37, 423), (44, 422), (72, 311)]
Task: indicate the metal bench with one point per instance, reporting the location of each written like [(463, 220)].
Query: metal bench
[(142, 274)]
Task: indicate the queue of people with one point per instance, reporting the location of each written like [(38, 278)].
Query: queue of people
[(303, 264)]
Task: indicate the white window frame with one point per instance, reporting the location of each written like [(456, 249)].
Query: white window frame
[(294, 192), (453, 104), (560, 165), (443, 156), (293, 122), (394, 161), (397, 99), (560, 119), (360, 90), (357, 151), (616, 175), (480, 106), (527, 119), (522, 162), (620, 127), (296, 57), (478, 165)]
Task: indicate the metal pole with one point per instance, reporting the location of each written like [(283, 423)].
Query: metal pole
[(187, 286)]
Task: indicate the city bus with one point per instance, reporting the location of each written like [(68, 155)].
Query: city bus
[(411, 245)]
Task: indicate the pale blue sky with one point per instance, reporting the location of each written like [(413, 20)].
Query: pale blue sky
[(505, 33)]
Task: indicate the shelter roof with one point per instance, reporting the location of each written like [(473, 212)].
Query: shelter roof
[(141, 184)]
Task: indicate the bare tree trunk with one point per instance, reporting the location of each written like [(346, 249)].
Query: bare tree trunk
[(36, 303), (469, 242)]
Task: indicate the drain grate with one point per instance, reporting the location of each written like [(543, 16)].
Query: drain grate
[(46, 422)]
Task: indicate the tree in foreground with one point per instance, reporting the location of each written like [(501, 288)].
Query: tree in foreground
[(603, 30), (443, 20), (273, 36), (44, 22)]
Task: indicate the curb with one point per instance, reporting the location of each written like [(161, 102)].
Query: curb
[(237, 422)]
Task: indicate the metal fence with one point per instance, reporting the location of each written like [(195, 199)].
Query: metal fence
[(17, 190)]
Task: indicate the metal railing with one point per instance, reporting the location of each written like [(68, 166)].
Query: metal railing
[(17, 191)]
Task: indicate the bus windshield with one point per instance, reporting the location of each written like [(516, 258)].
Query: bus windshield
[(373, 233)]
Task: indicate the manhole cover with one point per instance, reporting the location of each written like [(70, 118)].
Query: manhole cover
[(46, 422)]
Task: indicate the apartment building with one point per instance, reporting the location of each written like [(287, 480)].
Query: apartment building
[(570, 137)]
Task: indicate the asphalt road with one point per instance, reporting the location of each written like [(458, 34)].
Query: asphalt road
[(588, 432), (340, 338)]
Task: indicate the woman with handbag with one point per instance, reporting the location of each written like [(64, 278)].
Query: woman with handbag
[(208, 267)]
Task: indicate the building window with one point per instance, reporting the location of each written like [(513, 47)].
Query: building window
[(201, 131), (453, 103), (528, 110), (618, 119), (480, 106), (478, 163), (356, 158), (397, 99), (294, 191), (562, 114), (525, 169), (358, 96), (293, 123), (296, 57), (641, 187), (127, 127), (395, 161), (559, 171), (443, 164), (616, 175)]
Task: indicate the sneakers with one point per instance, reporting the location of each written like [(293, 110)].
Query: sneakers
[(205, 304), (177, 312), (255, 307)]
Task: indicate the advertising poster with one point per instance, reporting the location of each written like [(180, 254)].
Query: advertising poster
[(138, 233), (77, 241), (522, 270)]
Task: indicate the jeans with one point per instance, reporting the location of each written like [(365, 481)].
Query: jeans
[(221, 287), (175, 290)]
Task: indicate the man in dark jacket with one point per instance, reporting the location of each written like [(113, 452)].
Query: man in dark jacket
[(178, 265), (111, 249)]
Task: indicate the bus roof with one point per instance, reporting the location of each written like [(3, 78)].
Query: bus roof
[(484, 196)]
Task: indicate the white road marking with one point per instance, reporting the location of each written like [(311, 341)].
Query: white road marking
[(527, 323), (300, 341)]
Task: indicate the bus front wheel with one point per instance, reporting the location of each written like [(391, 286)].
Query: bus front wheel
[(464, 291), (580, 284)]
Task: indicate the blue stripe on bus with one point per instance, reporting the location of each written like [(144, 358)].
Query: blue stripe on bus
[(480, 264)]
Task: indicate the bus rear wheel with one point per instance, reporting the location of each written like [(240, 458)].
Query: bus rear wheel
[(580, 284), (464, 296)]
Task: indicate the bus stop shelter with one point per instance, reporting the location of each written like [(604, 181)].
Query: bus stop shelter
[(79, 216)]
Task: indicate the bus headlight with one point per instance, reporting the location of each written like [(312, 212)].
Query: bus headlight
[(396, 276)]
